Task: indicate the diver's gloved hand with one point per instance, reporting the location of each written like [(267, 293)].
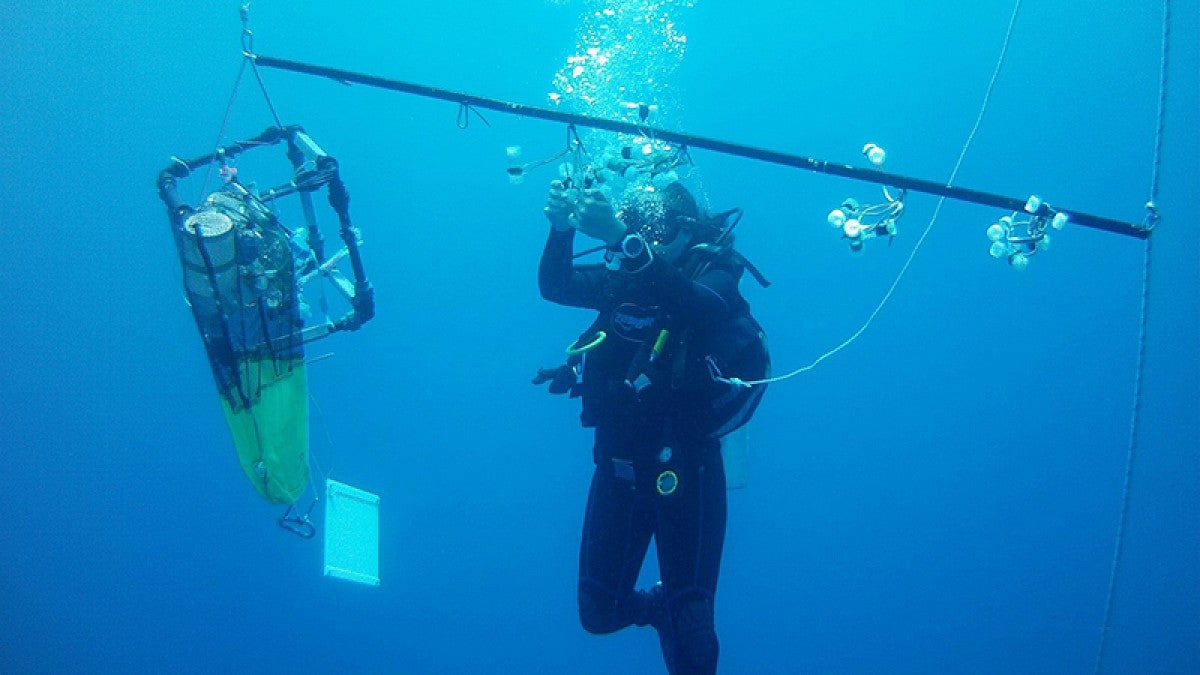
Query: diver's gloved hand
[(560, 206), (596, 218), (561, 379)]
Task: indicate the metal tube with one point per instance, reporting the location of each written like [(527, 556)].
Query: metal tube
[(693, 141)]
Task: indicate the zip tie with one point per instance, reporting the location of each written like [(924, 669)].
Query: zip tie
[(463, 118)]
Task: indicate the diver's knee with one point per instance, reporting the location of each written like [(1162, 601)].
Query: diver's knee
[(597, 622), (597, 611)]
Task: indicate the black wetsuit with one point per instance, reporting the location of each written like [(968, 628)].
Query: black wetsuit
[(657, 451)]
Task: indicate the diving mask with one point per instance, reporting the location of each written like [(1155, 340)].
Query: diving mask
[(658, 229)]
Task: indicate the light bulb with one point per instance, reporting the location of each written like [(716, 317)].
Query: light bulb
[(875, 154)]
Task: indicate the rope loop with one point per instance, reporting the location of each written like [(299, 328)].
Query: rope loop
[(463, 118)]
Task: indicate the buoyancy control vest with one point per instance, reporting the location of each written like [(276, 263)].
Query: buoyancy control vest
[(656, 380)]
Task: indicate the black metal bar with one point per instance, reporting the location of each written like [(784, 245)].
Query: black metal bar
[(315, 240), (693, 141), (182, 168), (363, 302)]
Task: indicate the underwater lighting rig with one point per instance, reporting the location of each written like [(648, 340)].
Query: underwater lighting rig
[(692, 141), (1019, 236), (860, 223)]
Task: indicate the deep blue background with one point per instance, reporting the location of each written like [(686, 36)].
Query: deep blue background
[(941, 497)]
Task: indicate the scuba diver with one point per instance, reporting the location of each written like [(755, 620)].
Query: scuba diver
[(660, 368)]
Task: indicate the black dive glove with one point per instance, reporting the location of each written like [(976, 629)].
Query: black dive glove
[(562, 379)]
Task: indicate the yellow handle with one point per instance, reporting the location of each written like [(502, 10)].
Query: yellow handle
[(659, 343)]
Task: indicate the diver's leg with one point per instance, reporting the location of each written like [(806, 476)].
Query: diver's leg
[(690, 536), (616, 534)]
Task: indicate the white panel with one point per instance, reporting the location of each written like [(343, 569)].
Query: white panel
[(351, 533)]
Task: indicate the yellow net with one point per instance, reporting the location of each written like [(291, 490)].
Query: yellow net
[(271, 435)]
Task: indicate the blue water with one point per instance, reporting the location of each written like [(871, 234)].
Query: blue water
[(942, 496)]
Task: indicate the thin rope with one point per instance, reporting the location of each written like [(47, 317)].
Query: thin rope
[(224, 122), (1134, 427), (1162, 104), (328, 439), (263, 87), (928, 228), (1135, 417), (248, 55)]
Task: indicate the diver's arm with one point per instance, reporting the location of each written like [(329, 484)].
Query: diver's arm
[(713, 295), (561, 281)]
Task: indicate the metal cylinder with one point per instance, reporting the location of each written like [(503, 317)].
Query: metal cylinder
[(209, 232)]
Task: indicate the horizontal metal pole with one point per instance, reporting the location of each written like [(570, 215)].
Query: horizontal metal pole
[(692, 141)]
